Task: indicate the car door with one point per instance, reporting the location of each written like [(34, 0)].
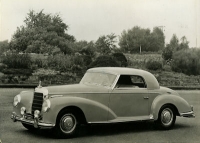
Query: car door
[(129, 99)]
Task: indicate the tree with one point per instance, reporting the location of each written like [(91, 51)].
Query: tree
[(41, 34), (104, 61), (106, 44), (184, 44), (167, 53), (174, 43), (158, 39), (134, 39), (4, 46)]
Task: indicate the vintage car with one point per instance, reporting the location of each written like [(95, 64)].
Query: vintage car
[(104, 95)]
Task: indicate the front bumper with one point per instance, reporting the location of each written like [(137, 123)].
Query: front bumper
[(188, 114), (35, 122)]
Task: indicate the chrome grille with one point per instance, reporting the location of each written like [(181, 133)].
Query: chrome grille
[(37, 102)]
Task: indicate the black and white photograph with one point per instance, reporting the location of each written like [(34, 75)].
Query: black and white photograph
[(99, 71)]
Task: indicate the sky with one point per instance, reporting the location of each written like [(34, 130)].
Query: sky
[(90, 19)]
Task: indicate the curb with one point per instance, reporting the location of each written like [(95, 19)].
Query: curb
[(35, 85)]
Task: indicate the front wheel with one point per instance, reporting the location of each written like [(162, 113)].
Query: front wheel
[(66, 125), (167, 117)]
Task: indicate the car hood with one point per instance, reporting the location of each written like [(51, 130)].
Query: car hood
[(75, 88)]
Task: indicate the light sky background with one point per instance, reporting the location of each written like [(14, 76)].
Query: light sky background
[(90, 19)]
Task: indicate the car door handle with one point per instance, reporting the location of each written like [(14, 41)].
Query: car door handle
[(145, 97)]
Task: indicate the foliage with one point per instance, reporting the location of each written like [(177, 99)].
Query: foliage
[(121, 59), (88, 50), (153, 65), (42, 33), (15, 71), (184, 44), (186, 61), (59, 62), (167, 53), (105, 44), (139, 60), (174, 43), (4, 46), (104, 61), (14, 60), (2, 67), (43, 72), (132, 39)]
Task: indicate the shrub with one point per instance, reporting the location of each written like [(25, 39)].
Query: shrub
[(104, 61), (2, 67), (15, 60), (120, 57), (60, 62), (154, 65), (167, 53), (186, 61), (12, 71)]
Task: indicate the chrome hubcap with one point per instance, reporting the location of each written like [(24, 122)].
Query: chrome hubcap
[(167, 116), (68, 123)]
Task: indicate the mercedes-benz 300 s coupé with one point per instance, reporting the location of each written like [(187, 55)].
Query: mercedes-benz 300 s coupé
[(104, 95)]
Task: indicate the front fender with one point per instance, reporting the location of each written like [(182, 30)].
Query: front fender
[(93, 111), (180, 103)]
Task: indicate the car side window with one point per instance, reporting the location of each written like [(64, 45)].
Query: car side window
[(138, 81), (130, 81)]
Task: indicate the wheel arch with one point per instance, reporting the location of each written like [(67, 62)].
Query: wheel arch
[(161, 101), (173, 106), (77, 111)]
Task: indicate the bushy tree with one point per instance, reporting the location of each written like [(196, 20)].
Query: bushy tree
[(104, 61), (184, 44), (186, 61), (174, 43), (105, 44), (134, 39), (154, 65), (4, 46), (167, 53), (41, 34), (121, 59)]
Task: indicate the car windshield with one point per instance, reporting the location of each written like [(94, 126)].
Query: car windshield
[(97, 78)]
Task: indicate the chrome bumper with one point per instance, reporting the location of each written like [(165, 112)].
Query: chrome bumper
[(188, 114), (36, 123)]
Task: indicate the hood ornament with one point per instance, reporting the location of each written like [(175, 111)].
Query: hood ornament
[(40, 84)]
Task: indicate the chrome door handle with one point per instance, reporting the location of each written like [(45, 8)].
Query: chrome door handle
[(145, 97)]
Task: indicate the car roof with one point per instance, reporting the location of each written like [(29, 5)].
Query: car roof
[(149, 78)]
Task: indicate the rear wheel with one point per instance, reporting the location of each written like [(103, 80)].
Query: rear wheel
[(166, 118), (66, 124)]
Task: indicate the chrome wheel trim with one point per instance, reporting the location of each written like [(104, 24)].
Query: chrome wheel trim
[(68, 123), (167, 117)]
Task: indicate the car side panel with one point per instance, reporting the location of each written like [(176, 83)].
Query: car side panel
[(180, 103), (129, 102), (94, 111)]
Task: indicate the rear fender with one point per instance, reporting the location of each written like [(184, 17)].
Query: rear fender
[(181, 104)]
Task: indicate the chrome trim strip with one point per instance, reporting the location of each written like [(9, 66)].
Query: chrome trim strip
[(53, 96), (115, 82), (188, 114)]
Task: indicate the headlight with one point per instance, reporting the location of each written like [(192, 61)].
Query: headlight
[(17, 100), (46, 105)]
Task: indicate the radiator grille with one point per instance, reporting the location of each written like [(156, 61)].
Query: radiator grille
[(37, 102)]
